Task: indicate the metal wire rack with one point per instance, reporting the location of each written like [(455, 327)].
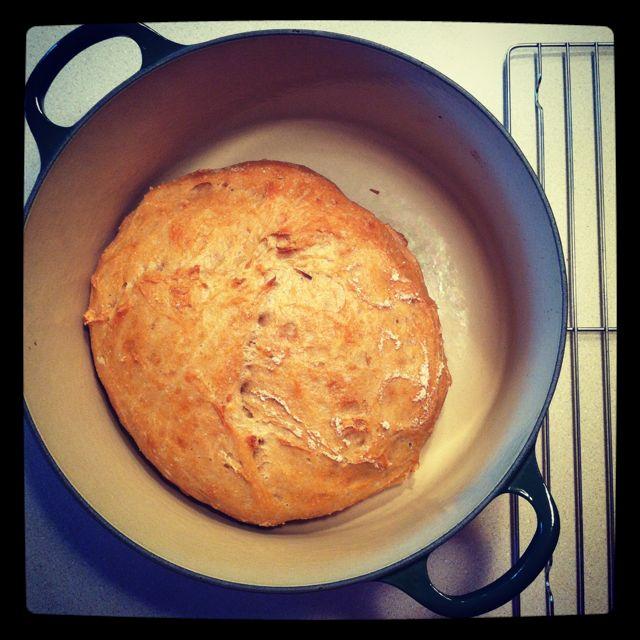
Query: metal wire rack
[(584, 191)]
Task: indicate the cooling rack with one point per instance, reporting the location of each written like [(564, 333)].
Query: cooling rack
[(559, 107)]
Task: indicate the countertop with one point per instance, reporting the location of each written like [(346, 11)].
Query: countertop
[(75, 566)]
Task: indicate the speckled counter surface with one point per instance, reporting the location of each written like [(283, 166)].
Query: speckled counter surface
[(75, 566)]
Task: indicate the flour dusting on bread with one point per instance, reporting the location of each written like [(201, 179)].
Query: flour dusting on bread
[(269, 344)]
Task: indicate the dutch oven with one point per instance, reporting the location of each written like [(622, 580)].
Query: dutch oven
[(400, 139)]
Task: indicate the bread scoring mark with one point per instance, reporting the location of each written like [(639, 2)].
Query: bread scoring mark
[(245, 467), (316, 442), (425, 393), (230, 462), (389, 335), (421, 395), (333, 456), (399, 375), (356, 428), (396, 277), (340, 427), (408, 297), (422, 380), (439, 373), (312, 445), (355, 285), (424, 373), (266, 396)]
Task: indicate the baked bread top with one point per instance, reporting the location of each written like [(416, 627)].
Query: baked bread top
[(269, 344)]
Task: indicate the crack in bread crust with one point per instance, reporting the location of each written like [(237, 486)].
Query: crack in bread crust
[(269, 344)]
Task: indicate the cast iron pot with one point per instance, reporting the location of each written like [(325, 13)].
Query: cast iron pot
[(400, 139)]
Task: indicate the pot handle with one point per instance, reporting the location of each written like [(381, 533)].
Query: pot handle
[(527, 483), (49, 136)]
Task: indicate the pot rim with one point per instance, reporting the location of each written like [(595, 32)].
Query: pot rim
[(529, 444)]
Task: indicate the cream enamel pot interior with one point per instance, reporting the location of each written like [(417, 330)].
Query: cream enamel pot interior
[(400, 139)]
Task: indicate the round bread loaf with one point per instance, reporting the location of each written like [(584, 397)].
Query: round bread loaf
[(269, 345)]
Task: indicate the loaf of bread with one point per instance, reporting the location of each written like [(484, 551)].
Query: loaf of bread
[(269, 345)]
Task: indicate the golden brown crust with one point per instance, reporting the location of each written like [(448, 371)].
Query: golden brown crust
[(270, 345)]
